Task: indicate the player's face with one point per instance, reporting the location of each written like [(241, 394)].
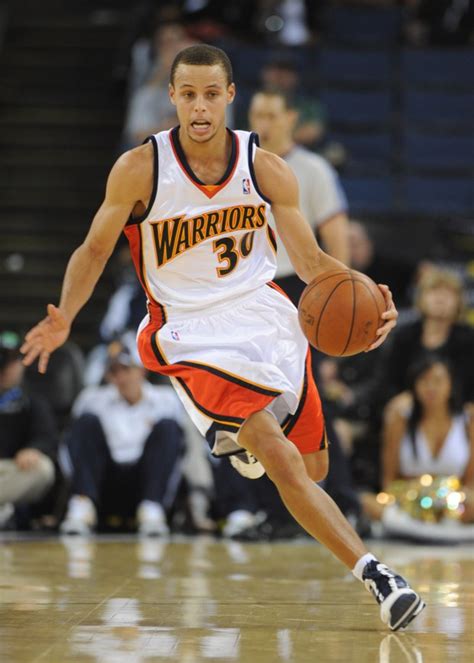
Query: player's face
[(433, 387), (270, 118), (201, 96)]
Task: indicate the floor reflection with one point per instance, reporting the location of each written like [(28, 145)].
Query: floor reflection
[(117, 600)]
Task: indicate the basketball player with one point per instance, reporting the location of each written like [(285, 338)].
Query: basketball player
[(193, 202)]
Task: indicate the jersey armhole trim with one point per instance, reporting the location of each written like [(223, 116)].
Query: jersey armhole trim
[(138, 219), (253, 140)]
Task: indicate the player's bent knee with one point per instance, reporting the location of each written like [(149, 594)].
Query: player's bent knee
[(285, 466)]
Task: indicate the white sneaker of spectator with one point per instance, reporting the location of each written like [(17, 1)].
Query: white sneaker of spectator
[(237, 522), (199, 506), (6, 512), (151, 519), (81, 516)]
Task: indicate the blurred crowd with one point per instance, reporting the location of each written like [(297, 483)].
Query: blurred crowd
[(100, 445)]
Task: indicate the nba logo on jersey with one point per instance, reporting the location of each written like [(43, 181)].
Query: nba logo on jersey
[(246, 185), (175, 336)]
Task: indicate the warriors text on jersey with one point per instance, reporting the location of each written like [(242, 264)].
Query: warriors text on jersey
[(198, 245), (227, 338)]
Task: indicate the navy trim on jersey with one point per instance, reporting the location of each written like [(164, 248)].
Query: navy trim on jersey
[(266, 391), (254, 140), (233, 422), (211, 439), (272, 238), (290, 421), (133, 220), (184, 162), (156, 350)]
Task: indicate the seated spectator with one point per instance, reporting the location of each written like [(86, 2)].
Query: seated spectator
[(432, 439), (287, 22), (125, 446), (28, 436), (61, 384), (150, 109), (282, 74), (359, 387), (393, 270), (273, 116), (440, 22), (439, 329), (126, 308)]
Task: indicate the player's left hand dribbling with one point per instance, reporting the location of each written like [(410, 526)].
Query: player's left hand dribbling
[(390, 317)]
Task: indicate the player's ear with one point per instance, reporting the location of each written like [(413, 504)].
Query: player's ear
[(172, 94), (231, 93)]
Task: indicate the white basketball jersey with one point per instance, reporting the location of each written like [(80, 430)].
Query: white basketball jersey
[(198, 245)]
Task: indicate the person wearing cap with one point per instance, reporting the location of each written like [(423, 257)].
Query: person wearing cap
[(28, 435), (125, 445)]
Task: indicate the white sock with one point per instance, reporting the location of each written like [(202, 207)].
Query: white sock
[(361, 564)]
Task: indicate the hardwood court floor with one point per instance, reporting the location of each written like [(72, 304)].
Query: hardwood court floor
[(199, 600)]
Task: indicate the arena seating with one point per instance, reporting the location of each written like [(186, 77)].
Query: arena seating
[(363, 27), (350, 67), (366, 110), (438, 109), (437, 196), (437, 152), (60, 120), (370, 195), (403, 115), (438, 68)]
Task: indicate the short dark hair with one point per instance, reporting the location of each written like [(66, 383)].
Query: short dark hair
[(287, 98), (415, 371), (203, 54), (283, 63)]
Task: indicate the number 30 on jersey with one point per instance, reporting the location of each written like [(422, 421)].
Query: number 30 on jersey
[(230, 250)]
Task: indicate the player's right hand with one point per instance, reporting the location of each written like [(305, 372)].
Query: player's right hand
[(45, 337)]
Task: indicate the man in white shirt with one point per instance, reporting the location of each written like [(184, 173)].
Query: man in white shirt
[(323, 202), (125, 446), (273, 117)]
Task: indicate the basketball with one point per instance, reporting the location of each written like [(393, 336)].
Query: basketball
[(340, 311)]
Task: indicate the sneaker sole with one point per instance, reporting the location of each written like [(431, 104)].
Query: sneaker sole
[(248, 470), (410, 605)]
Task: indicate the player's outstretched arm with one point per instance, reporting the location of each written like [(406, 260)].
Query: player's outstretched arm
[(127, 183), (277, 182)]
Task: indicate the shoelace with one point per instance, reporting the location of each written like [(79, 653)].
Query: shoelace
[(386, 575)]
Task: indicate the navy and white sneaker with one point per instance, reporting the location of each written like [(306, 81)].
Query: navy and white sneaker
[(247, 465), (399, 604)]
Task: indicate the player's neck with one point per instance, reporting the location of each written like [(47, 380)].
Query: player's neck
[(218, 147)]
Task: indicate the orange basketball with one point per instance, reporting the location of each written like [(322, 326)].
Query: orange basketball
[(340, 311)]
